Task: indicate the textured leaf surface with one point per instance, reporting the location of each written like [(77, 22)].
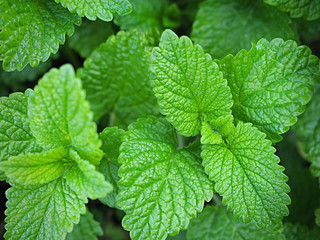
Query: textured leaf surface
[(308, 9), (85, 180), (215, 223), (42, 212), (271, 84), (161, 188), (246, 173), (188, 85), (86, 229), (225, 27), (89, 36), (308, 132), (116, 78), (31, 30), (36, 168), (102, 9), (109, 166), (59, 104), (15, 134)]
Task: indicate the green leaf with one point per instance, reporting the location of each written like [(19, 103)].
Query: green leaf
[(42, 212), (215, 223), (15, 134), (308, 9), (85, 180), (317, 214), (155, 193), (271, 84), (31, 30), (86, 229), (102, 9), (246, 173), (36, 168), (111, 141), (188, 85), (116, 79), (300, 232), (225, 27), (60, 116), (89, 36)]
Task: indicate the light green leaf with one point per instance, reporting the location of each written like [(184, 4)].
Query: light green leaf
[(161, 188), (31, 30), (15, 134), (36, 168), (102, 9), (188, 85), (116, 78), (246, 173), (89, 36), (42, 212), (60, 117), (300, 232), (85, 180), (215, 223), (308, 9), (308, 132), (111, 139), (86, 229), (271, 84), (225, 27)]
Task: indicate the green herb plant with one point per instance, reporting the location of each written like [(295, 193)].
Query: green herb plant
[(179, 133)]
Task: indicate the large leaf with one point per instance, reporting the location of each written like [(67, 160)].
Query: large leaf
[(42, 212), (60, 117), (161, 188), (31, 30), (215, 223), (116, 78), (102, 9), (308, 9), (225, 27), (188, 85), (271, 84), (246, 173)]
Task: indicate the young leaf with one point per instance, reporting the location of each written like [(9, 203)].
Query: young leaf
[(188, 85), (161, 188), (225, 27), (102, 9), (60, 117), (42, 212), (308, 132), (111, 141), (15, 134), (31, 30), (86, 229), (116, 78), (308, 9), (246, 173), (216, 223), (271, 84), (36, 168), (85, 180)]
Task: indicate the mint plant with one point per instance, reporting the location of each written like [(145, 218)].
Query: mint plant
[(163, 133)]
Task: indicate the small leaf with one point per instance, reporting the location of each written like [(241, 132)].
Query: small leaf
[(102, 9), (215, 223), (42, 212), (246, 173), (86, 229), (36, 168), (161, 188), (271, 84), (60, 117), (31, 30), (188, 85)]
